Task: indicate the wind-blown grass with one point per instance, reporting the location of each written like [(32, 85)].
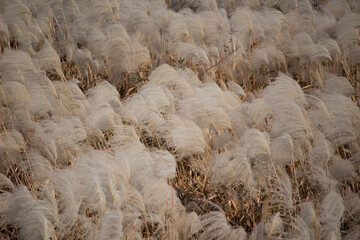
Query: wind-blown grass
[(161, 119)]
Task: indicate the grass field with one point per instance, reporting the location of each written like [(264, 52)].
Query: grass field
[(179, 119)]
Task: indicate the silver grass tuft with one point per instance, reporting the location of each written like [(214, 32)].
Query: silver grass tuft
[(111, 226), (231, 169), (215, 226), (30, 215), (331, 212)]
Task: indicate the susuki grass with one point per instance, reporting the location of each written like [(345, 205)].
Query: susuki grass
[(155, 119)]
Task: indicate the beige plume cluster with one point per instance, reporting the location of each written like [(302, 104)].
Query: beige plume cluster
[(179, 119)]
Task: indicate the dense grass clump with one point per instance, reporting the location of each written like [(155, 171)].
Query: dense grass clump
[(161, 119)]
